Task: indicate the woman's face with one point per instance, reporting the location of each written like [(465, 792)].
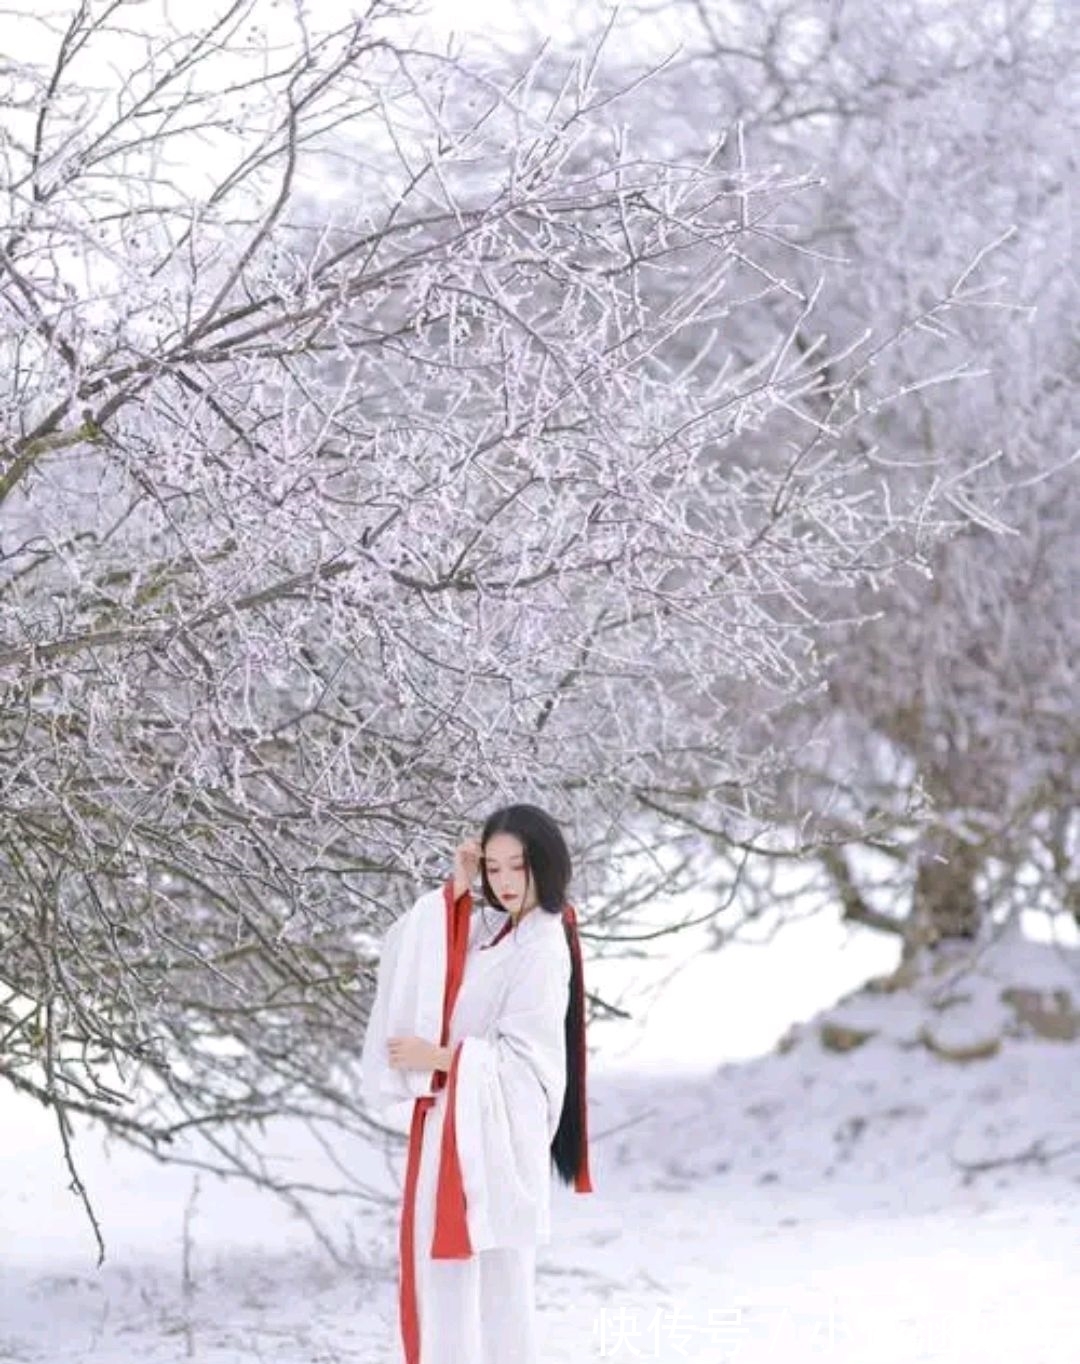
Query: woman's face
[(504, 862)]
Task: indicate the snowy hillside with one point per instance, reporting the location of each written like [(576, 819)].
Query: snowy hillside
[(811, 1204), (907, 1089)]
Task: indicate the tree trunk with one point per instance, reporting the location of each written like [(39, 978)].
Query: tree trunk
[(944, 904)]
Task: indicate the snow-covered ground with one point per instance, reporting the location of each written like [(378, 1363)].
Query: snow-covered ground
[(804, 1205)]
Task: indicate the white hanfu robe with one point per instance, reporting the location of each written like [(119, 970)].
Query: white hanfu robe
[(480, 1201)]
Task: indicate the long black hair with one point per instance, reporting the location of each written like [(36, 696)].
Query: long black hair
[(548, 866)]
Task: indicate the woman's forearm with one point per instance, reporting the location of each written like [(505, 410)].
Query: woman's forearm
[(444, 1056)]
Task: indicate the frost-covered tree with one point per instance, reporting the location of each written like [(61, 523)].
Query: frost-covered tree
[(379, 439), (934, 789)]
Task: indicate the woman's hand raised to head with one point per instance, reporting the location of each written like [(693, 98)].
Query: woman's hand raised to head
[(466, 865)]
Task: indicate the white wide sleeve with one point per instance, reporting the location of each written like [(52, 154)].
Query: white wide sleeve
[(408, 1002), (509, 1092)]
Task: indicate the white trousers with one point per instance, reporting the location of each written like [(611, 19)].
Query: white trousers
[(476, 1311)]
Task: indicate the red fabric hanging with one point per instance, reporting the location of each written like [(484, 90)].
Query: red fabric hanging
[(457, 938), (407, 1307), (451, 1239)]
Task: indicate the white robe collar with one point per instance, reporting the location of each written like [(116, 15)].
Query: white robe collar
[(533, 925)]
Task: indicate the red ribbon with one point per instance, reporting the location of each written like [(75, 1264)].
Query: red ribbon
[(450, 1201), (410, 1324)]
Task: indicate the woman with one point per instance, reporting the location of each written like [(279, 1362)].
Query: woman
[(507, 1093)]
